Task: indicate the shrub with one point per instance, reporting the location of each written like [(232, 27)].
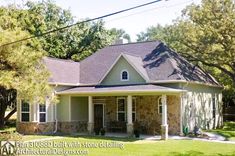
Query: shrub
[(97, 131), (102, 131), (137, 133)]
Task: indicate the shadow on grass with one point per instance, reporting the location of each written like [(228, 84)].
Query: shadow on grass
[(197, 153), (228, 130), (94, 137)]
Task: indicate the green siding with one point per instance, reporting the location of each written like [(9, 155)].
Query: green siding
[(63, 108), (113, 77), (79, 109)]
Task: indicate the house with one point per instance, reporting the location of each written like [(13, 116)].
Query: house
[(143, 85)]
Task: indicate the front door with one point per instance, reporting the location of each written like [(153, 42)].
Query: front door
[(98, 116)]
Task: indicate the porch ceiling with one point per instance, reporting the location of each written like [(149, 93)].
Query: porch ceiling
[(127, 89)]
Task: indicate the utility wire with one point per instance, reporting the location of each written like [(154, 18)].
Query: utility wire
[(89, 20), (148, 10)]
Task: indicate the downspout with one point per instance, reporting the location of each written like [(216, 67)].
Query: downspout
[(181, 108), (55, 115)]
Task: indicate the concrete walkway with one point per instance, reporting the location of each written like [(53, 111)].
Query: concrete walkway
[(211, 138), (146, 138)]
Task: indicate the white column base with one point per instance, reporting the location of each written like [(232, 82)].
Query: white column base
[(90, 128), (130, 129), (164, 132)]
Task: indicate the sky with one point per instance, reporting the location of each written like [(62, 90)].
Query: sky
[(133, 22)]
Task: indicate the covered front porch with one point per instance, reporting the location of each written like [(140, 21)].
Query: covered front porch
[(152, 112)]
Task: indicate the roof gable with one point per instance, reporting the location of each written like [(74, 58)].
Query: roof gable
[(125, 62)]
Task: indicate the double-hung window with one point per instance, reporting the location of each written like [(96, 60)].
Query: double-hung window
[(160, 105), (121, 109), (25, 111), (42, 112), (134, 109)]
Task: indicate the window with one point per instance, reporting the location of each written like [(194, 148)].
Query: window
[(160, 105), (124, 75), (121, 109), (134, 109), (42, 113), (213, 107), (25, 111)]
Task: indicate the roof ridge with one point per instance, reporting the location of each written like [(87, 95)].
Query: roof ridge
[(134, 43)]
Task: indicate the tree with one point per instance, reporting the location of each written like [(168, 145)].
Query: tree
[(120, 34), (208, 35), (21, 72), (152, 33), (205, 34), (75, 43)]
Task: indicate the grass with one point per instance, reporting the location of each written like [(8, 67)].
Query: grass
[(228, 131), (129, 146)]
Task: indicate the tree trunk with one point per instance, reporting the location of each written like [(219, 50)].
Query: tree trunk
[(7, 99), (10, 114), (2, 115)]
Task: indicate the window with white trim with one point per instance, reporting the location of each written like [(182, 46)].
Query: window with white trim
[(25, 111), (160, 105), (42, 112), (122, 109), (124, 75), (134, 109)]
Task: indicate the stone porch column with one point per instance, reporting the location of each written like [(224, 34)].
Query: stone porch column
[(129, 115), (164, 126), (90, 124)]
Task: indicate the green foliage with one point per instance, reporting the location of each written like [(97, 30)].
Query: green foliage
[(21, 66), (152, 33), (75, 42), (120, 34), (205, 35)]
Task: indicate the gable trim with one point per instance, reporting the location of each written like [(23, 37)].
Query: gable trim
[(115, 62), (136, 69)]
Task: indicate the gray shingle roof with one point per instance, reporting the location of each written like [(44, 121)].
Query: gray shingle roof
[(159, 62), (121, 89), (138, 64), (62, 71)]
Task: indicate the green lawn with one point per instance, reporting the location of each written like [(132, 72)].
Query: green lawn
[(146, 148), (227, 131)]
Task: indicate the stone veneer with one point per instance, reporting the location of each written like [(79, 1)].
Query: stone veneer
[(35, 128), (72, 127), (49, 127), (147, 117)]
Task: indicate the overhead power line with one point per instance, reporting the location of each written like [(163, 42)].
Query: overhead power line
[(149, 10), (85, 21)]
